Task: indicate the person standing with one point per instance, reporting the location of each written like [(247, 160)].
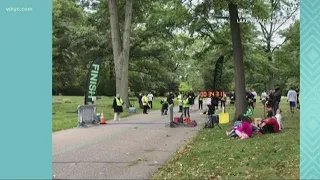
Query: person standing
[(255, 95), (249, 97), (117, 107), (298, 97), (276, 98), (200, 102), (170, 99), (232, 98), (185, 104), (145, 104), (215, 100), (264, 97), (180, 102), (191, 99), (150, 98), (211, 105), (223, 101), (140, 101), (292, 99)]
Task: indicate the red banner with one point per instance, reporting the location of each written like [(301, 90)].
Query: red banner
[(206, 94)]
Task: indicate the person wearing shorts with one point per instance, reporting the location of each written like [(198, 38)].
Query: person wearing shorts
[(292, 99)]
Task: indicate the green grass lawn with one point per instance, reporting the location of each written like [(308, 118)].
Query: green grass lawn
[(213, 155), (65, 114)]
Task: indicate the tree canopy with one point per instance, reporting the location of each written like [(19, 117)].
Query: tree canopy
[(173, 44)]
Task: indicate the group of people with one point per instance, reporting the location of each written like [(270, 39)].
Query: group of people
[(186, 102), (244, 128), (213, 101), (145, 101)]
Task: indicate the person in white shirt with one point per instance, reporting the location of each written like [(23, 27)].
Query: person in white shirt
[(255, 95), (150, 98), (264, 96), (292, 99), (278, 116)]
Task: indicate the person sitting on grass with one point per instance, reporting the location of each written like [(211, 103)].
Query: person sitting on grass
[(249, 111), (269, 125), (236, 124), (244, 131)]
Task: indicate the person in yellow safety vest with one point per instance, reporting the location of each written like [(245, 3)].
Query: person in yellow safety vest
[(117, 107), (180, 102), (185, 105), (145, 101)]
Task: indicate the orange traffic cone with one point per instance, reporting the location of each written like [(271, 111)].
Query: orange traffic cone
[(102, 119)]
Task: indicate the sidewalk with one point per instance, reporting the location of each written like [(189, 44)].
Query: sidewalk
[(133, 148)]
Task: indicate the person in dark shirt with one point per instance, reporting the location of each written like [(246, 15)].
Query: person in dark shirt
[(232, 97), (191, 97), (140, 100), (215, 101), (250, 97), (211, 107), (276, 98), (170, 98)]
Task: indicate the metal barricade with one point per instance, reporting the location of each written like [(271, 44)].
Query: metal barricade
[(87, 114)]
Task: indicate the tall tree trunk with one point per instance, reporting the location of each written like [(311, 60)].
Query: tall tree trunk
[(116, 41), (238, 60), (126, 51), (121, 49)]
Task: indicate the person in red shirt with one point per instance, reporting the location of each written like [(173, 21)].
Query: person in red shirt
[(269, 125)]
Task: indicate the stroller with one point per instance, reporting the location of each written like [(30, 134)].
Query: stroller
[(164, 108)]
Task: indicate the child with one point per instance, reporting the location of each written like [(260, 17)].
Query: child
[(279, 119)]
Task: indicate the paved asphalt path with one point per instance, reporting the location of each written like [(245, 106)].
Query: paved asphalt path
[(133, 148)]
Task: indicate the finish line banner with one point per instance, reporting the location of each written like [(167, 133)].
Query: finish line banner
[(206, 94), (92, 83)]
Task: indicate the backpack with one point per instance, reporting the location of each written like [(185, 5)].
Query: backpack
[(192, 124)]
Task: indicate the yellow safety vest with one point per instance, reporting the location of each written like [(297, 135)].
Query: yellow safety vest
[(119, 102), (145, 100), (186, 103)]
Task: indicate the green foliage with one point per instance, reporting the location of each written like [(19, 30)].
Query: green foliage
[(288, 56), (171, 42), (184, 87)]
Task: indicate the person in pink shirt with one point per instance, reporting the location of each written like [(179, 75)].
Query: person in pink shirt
[(245, 130)]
